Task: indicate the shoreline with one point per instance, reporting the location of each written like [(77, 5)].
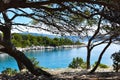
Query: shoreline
[(65, 74), (50, 47)]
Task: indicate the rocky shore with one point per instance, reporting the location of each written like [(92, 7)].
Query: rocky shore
[(66, 74), (50, 47)]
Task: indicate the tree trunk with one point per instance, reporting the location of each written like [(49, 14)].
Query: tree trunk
[(117, 67), (19, 56), (89, 46), (11, 50), (20, 65), (100, 57), (7, 39), (7, 34), (22, 59), (88, 58)]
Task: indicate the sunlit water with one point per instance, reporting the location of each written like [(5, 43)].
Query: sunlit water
[(60, 58)]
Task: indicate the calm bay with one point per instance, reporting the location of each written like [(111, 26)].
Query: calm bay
[(60, 58)]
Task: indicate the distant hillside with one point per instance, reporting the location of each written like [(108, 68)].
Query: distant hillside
[(73, 38), (24, 40)]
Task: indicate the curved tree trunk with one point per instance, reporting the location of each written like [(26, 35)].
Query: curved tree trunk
[(11, 50), (100, 57), (20, 65), (19, 56), (90, 46), (22, 59)]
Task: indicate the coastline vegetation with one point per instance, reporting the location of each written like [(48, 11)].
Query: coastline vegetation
[(9, 71), (101, 65), (79, 63), (23, 40)]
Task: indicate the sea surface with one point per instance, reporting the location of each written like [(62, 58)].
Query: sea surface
[(60, 58)]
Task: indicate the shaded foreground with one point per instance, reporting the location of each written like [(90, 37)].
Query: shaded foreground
[(65, 74)]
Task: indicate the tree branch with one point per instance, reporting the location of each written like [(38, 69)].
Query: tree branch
[(19, 4)]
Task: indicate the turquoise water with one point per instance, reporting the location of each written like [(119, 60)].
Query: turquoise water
[(60, 58)]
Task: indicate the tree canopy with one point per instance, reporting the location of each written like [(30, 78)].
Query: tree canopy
[(60, 16)]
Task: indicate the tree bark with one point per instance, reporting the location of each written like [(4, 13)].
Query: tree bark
[(20, 65), (88, 57), (117, 67)]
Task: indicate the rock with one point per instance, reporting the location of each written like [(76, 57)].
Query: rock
[(83, 76)]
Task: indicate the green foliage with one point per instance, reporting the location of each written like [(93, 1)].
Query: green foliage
[(77, 63), (16, 43), (116, 60), (100, 65), (20, 40), (35, 62), (9, 71)]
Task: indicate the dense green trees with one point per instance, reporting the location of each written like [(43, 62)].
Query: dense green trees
[(22, 40)]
